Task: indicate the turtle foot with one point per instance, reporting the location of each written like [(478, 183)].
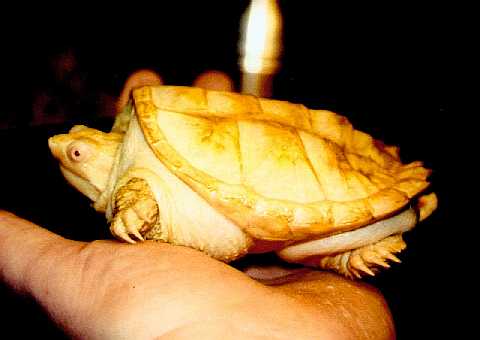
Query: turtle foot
[(365, 260), (136, 211)]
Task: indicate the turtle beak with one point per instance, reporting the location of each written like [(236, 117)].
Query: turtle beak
[(54, 145), (58, 144)]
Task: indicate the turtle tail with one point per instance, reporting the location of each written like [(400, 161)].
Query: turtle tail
[(356, 263)]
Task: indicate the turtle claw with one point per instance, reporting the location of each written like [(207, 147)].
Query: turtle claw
[(127, 226), (119, 230), (124, 236), (136, 211), (133, 222), (365, 260), (137, 234)]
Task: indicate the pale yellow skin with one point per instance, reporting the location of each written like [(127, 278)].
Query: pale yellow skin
[(230, 174)]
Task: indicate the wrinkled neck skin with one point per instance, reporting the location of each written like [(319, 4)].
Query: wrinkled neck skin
[(103, 200)]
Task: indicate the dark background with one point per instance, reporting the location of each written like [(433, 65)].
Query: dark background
[(389, 70)]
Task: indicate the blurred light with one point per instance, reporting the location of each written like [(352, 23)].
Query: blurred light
[(261, 34), (260, 46)]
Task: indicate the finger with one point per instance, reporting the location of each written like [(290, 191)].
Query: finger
[(22, 245), (214, 80), (136, 79)]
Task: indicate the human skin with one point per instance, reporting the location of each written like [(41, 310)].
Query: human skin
[(112, 290)]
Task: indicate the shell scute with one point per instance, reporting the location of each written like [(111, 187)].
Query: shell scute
[(277, 169)]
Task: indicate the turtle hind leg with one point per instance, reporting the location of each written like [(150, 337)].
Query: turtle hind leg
[(356, 263), (135, 210)]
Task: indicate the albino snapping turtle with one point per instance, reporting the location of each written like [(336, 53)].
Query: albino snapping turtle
[(231, 174)]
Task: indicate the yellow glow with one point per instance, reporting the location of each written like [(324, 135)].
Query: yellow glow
[(260, 44)]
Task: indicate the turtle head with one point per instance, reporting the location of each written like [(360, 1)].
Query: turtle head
[(86, 158)]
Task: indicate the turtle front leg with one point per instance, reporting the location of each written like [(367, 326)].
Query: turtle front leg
[(135, 210)]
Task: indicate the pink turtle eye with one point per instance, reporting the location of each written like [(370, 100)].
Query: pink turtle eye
[(78, 151)]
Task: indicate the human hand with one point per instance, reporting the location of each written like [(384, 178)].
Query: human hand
[(113, 290), (109, 290)]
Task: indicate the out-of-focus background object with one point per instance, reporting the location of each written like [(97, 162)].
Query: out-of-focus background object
[(260, 46), (376, 65)]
